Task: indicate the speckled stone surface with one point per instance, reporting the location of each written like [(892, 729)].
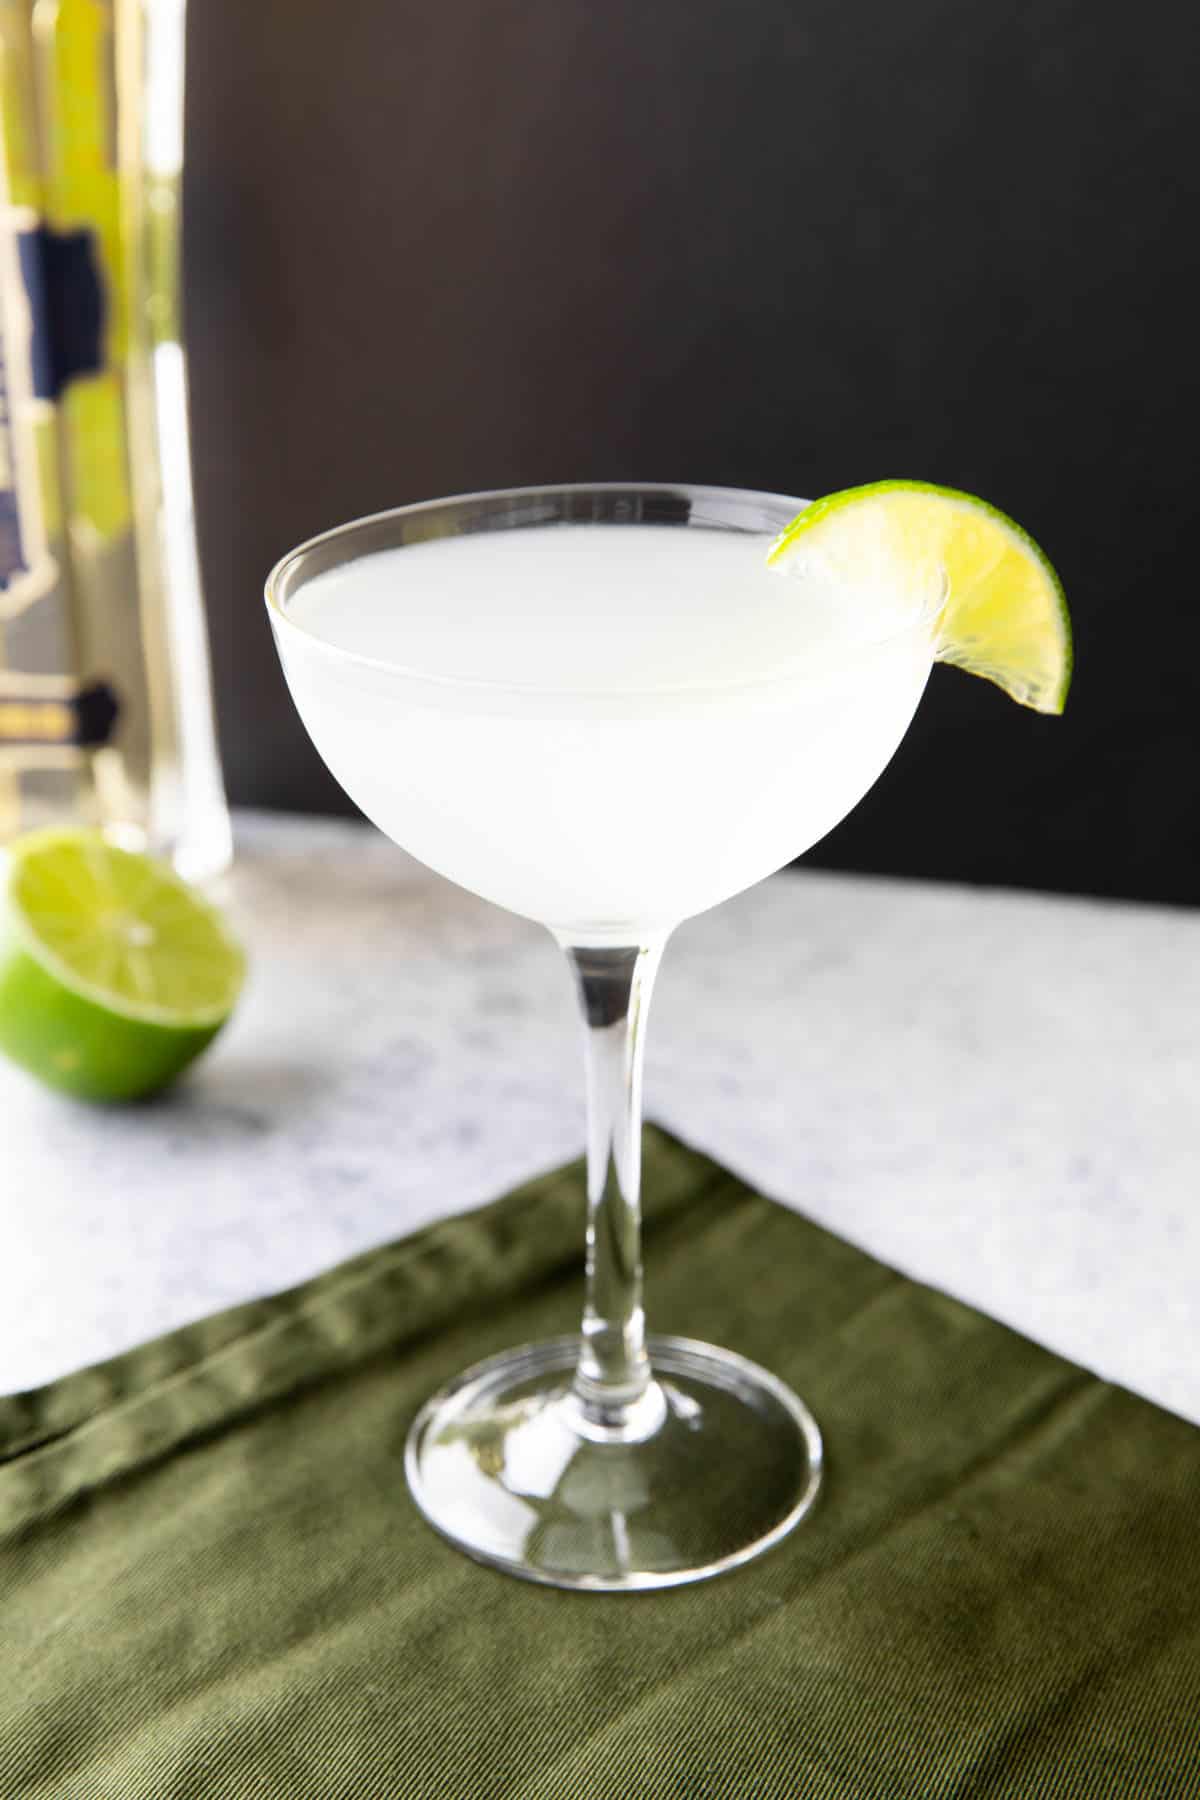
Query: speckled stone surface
[(995, 1092)]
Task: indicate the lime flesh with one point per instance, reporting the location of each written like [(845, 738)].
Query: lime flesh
[(993, 601), (114, 974)]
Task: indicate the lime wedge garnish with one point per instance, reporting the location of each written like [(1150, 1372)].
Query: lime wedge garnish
[(114, 974), (994, 603)]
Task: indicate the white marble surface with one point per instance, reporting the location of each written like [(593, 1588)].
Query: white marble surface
[(996, 1092)]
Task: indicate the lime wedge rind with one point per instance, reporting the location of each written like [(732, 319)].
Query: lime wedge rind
[(1017, 636)]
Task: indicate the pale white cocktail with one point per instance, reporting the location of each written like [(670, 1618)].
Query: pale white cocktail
[(600, 708), (605, 727)]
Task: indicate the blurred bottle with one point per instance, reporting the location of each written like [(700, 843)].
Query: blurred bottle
[(105, 688)]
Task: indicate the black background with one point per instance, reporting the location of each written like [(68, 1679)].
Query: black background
[(435, 248)]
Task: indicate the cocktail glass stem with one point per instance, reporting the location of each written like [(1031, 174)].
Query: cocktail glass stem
[(615, 1394)]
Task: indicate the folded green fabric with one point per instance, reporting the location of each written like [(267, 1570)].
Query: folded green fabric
[(213, 1583)]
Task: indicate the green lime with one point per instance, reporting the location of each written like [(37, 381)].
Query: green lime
[(994, 602), (114, 974)]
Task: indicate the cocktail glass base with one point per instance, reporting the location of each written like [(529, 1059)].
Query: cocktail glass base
[(719, 1461)]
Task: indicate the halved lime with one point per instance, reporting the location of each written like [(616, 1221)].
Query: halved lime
[(114, 974), (994, 603)]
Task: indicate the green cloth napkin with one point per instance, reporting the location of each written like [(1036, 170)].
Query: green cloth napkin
[(212, 1582)]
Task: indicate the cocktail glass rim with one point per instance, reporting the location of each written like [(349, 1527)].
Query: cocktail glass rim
[(282, 579)]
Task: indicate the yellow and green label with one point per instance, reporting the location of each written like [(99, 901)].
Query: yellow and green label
[(82, 253), (28, 467)]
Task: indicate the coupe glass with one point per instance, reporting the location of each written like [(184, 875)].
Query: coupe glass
[(614, 1460)]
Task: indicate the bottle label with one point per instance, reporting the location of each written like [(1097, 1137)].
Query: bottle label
[(51, 330), (61, 276), (55, 713), (27, 568)]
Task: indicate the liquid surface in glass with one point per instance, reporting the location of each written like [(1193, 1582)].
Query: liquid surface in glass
[(607, 728)]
